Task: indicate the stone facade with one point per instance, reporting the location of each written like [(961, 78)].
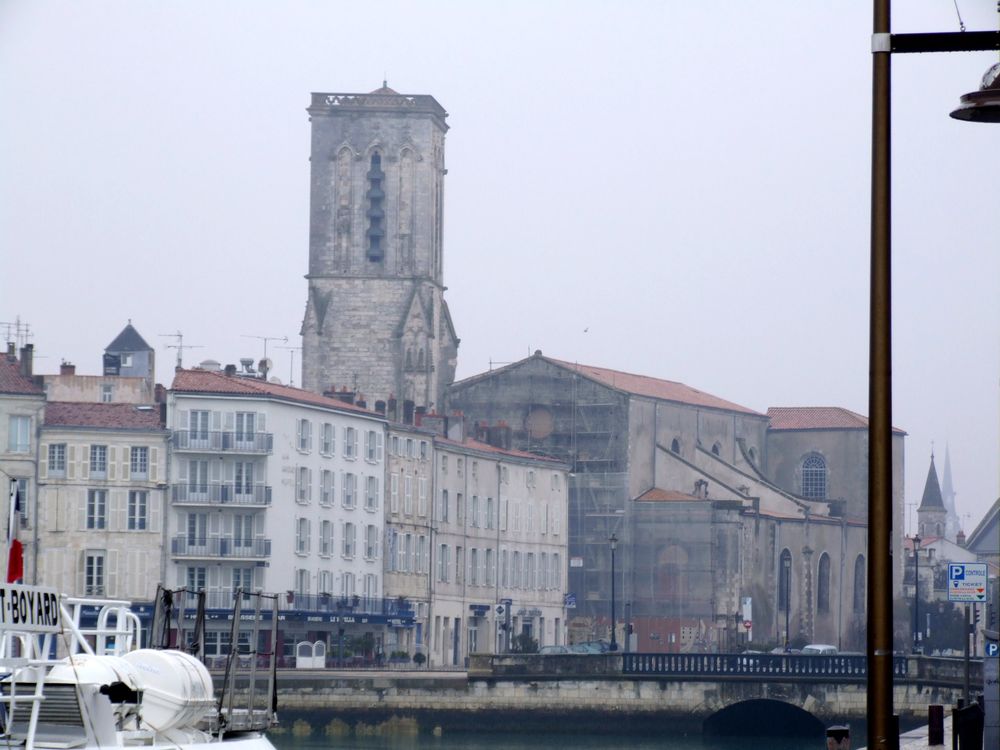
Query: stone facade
[(102, 496), (683, 480), (376, 322)]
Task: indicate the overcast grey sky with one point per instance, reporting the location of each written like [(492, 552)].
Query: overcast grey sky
[(676, 188)]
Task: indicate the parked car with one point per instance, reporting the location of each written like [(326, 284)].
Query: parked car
[(554, 650), (819, 649)]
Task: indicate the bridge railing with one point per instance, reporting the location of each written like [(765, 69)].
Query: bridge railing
[(842, 666)]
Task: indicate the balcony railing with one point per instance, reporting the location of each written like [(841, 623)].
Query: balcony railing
[(221, 494), (318, 603), (222, 441), (219, 546)]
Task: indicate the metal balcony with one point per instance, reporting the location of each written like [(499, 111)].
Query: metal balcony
[(219, 546), (221, 494), (223, 441)]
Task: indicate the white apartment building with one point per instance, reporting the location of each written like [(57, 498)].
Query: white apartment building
[(410, 462), (498, 558), (102, 490), (277, 489)]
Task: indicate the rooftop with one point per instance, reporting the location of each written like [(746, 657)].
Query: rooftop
[(657, 495), (12, 381), (218, 383), (128, 340), (492, 449), (103, 416), (818, 418)]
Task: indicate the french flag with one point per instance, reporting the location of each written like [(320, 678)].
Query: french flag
[(15, 555)]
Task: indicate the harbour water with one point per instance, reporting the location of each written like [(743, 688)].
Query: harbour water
[(545, 741)]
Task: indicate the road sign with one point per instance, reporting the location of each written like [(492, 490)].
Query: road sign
[(748, 624), (967, 582), (569, 601), (992, 648)]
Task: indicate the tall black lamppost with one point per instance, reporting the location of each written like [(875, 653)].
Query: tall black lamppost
[(614, 545), (787, 564), (916, 593), (981, 107)]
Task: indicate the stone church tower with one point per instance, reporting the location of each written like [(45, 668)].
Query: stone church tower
[(376, 322), (931, 515)]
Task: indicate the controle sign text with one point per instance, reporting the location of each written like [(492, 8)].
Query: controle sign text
[(29, 609)]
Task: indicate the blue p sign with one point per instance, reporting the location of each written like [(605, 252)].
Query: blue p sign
[(957, 572), (992, 648)]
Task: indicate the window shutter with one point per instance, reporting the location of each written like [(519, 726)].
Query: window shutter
[(261, 421), (309, 436), (309, 525), (81, 572), (182, 470), (182, 419), (43, 461), (112, 462), (216, 471), (230, 421), (70, 461), (154, 458), (81, 516), (85, 461), (126, 456), (381, 446), (216, 420), (155, 499), (111, 571), (229, 469), (214, 523), (112, 521)]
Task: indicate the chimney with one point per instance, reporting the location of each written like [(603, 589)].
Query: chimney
[(391, 408), (11, 351), (27, 360), (346, 396), (361, 401), (380, 407), (230, 371), (418, 415), (407, 412), (67, 368), (436, 422), (482, 432), (455, 427), (960, 538)]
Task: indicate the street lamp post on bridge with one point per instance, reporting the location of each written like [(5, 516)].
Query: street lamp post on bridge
[(614, 545), (981, 107)]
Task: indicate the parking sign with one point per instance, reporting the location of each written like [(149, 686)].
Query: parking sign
[(967, 582)]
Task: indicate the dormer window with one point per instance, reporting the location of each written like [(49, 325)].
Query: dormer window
[(376, 210)]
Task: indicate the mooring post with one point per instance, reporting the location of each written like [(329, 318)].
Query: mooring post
[(838, 737)]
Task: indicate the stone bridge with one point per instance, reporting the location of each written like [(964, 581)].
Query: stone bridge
[(639, 690)]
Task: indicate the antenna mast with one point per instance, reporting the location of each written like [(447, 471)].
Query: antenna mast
[(291, 362), (180, 346), (265, 339)]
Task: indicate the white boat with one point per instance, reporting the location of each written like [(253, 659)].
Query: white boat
[(66, 684)]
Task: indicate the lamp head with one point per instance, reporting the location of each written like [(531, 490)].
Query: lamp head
[(982, 105), (614, 542)]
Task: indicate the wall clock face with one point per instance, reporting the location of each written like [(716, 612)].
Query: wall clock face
[(538, 422)]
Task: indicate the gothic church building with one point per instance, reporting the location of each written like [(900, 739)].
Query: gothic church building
[(376, 323)]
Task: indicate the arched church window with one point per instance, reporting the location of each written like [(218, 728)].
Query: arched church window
[(420, 359), (409, 359), (859, 584), (823, 584), (814, 477), (376, 209), (784, 579), (675, 447)]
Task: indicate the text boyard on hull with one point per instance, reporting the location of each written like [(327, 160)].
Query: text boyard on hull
[(29, 609)]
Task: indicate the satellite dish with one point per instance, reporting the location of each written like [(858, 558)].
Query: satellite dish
[(265, 365)]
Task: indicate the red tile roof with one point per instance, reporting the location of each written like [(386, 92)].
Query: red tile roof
[(487, 448), (12, 381), (102, 416), (817, 418), (205, 381), (643, 385), (656, 495)]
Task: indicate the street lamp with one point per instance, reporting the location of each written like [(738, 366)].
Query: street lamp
[(614, 545), (916, 593), (879, 620), (787, 565)]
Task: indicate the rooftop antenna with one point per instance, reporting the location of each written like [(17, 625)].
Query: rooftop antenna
[(265, 339), (180, 346), (291, 362), (17, 331)]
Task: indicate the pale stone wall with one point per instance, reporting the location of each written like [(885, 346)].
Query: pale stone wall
[(364, 314), (89, 388), (127, 538)]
